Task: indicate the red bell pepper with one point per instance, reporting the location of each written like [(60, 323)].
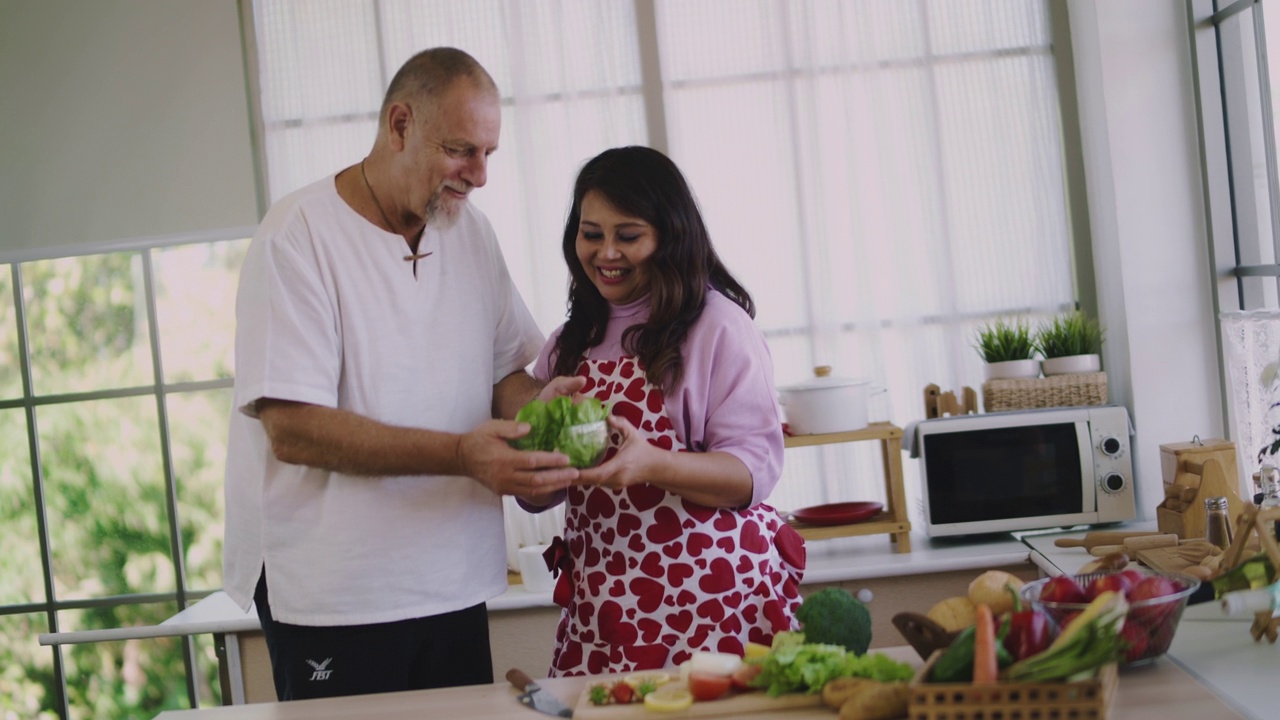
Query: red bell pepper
[(1028, 630)]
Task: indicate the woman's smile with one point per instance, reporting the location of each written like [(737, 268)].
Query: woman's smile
[(614, 249)]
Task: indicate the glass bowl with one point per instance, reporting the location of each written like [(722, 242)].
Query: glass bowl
[(584, 444), (1149, 626)]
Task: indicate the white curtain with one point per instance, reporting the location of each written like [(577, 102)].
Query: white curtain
[(882, 175)]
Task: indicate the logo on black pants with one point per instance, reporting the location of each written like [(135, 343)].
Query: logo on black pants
[(320, 672)]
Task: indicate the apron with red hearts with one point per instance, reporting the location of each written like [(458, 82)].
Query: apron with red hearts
[(647, 578)]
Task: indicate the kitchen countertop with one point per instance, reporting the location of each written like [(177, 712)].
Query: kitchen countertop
[(1158, 692), (1217, 652)]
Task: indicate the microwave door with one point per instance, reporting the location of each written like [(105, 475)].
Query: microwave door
[(1088, 476)]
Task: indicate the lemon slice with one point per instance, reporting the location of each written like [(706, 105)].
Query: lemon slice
[(656, 677), (669, 698), (755, 651)]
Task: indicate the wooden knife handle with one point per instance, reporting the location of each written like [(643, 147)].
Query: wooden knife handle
[(519, 679)]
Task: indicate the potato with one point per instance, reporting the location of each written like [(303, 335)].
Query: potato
[(876, 701), (837, 691), (954, 613), (990, 589)]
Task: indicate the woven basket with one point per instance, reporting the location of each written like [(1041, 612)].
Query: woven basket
[(1081, 700), (1054, 391)]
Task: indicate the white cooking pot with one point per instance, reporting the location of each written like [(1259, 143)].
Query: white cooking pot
[(826, 404)]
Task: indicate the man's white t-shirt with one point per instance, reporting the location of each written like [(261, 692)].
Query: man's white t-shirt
[(329, 313)]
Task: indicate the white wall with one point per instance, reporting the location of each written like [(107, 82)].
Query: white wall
[(1151, 255), (121, 119)]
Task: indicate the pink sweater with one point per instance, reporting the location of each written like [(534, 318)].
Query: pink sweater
[(726, 401)]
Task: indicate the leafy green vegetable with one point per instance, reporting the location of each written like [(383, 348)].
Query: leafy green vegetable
[(806, 667), (559, 425), (832, 616)]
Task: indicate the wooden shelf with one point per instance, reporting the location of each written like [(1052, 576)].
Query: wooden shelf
[(893, 520)]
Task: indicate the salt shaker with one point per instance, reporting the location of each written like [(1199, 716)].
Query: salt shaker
[(1217, 529)]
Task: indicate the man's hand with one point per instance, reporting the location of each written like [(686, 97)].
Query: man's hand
[(484, 454)]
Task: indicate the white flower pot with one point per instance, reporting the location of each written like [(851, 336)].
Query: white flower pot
[(1071, 364), (1010, 369)]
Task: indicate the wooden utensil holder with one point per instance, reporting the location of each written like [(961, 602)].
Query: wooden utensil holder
[(1192, 472)]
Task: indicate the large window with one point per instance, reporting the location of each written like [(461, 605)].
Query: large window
[(882, 176), (1237, 62), (115, 377)]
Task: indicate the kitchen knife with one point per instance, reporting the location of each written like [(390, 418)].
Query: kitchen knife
[(535, 697), (1094, 539)]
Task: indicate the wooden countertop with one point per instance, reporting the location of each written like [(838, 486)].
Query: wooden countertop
[(1161, 691)]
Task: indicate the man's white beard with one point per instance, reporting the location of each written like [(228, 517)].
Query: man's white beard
[(443, 213)]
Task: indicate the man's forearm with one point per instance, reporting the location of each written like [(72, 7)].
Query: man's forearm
[(342, 441)]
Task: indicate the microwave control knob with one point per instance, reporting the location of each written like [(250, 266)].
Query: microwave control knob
[(1113, 482), (1111, 445)]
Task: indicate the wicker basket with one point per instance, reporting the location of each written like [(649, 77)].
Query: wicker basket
[(1055, 391), (1083, 700)]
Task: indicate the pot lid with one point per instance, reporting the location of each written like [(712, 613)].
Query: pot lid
[(823, 379)]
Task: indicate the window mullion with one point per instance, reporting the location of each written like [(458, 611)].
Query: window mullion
[(37, 488), (651, 88)]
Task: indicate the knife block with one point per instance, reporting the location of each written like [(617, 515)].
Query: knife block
[(1192, 472)]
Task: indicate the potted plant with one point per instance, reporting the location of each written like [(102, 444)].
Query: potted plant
[(1070, 343), (1008, 349)]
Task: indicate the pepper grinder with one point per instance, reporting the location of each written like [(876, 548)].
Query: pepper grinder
[(1217, 528)]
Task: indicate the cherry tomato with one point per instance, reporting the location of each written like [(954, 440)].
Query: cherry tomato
[(622, 693), (706, 686)]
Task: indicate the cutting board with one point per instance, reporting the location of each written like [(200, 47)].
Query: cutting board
[(1165, 559), (733, 705)]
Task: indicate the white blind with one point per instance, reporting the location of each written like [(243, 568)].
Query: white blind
[(882, 175), (121, 120)]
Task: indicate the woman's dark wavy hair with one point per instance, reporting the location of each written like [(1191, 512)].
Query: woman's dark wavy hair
[(644, 183)]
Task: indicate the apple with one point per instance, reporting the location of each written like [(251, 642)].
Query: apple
[(1134, 575), (1149, 588), (1114, 582), (1135, 641), (1062, 589)]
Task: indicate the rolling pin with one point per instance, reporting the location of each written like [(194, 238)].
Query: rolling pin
[(1131, 545), (1094, 539)]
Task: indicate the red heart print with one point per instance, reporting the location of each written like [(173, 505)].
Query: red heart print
[(751, 539), (680, 621), (677, 573), (718, 579)]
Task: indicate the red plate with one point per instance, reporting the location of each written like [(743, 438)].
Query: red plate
[(837, 513)]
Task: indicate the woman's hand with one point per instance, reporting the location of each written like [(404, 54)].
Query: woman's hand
[(634, 462), (713, 479), (565, 385)]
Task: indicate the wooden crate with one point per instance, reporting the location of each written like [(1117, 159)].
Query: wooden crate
[(1084, 700)]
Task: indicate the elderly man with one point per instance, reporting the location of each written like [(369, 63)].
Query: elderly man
[(378, 335)]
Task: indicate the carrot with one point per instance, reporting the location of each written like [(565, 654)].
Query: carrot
[(985, 665)]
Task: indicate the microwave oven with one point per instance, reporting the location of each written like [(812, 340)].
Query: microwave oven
[(1025, 470)]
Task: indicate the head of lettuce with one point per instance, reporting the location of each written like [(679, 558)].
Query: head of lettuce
[(578, 431)]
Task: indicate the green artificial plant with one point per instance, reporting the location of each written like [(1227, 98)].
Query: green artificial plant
[(1004, 340)]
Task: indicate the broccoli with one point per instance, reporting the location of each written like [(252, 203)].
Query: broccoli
[(832, 616)]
